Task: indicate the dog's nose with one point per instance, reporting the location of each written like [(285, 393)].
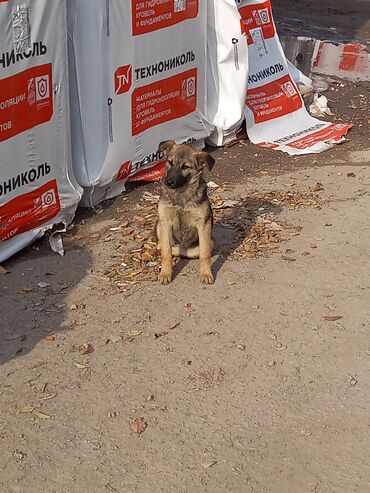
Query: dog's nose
[(170, 183)]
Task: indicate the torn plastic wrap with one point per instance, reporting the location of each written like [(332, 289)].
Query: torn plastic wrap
[(275, 114)]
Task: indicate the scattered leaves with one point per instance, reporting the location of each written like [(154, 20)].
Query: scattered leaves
[(138, 425)]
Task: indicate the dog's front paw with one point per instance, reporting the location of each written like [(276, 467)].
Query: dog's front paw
[(165, 278), (206, 278)]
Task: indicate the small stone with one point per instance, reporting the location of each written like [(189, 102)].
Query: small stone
[(115, 338)]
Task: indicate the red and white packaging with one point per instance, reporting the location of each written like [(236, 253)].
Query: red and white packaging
[(138, 77), (275, 113), (228, 71), (349, 61), (37, 187)]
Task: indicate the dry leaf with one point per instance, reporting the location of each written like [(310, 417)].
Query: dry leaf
[(85, 348), (177, 324), (127, 231), (313, 245), (80, 366), (42, 415), (73, 307), (306, 433), (131, 336), (49, 338), (351, 175), (138, 425), (25, 290), (332, 318), (318, 187), (27, 409), (207, 465), (288, 259), (157, 335), (3, 271)]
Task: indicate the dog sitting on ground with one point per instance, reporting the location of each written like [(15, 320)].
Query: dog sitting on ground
[(184, 227)]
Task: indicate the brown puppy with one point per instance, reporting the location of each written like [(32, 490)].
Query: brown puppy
[(184, 228)]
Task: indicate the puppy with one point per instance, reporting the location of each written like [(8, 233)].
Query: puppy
[(184, 228)]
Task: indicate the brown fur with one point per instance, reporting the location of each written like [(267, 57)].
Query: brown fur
[(184, 228)]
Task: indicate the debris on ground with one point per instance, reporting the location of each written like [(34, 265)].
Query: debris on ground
[(138, 425), (252, 221)]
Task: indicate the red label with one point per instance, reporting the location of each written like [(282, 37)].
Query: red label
[(350, 57), (257, 21), (278, 98), (164, 101), (268, 145), (154, 173), (161, 14), (29, 211), (124, 171), (123, 79), (26, 100), (332, 132)]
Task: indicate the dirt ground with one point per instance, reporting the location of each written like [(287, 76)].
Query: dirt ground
[(259, 383)]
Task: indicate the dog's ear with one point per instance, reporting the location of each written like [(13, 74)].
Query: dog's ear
[(166, 147), (205, 159)]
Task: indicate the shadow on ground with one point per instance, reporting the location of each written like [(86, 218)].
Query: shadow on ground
[(34, 297), (232, 228)]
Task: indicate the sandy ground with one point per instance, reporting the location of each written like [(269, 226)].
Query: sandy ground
[(259, 383)]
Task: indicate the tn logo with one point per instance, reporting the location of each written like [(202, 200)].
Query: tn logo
[(123, 79)]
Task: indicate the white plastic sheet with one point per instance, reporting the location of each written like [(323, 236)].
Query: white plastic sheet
[(37, 188), (275, 114), (138, 77)]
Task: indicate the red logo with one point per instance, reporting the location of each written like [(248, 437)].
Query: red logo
[(123, 79), (124, 171)]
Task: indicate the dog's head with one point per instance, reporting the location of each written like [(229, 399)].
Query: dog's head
[(184, 164)]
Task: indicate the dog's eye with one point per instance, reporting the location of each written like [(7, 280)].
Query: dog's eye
[(187, 166)]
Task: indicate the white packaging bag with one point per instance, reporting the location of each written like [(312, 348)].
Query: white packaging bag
[(275, 114), (228, 72), (138, 77), (37, 187)]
